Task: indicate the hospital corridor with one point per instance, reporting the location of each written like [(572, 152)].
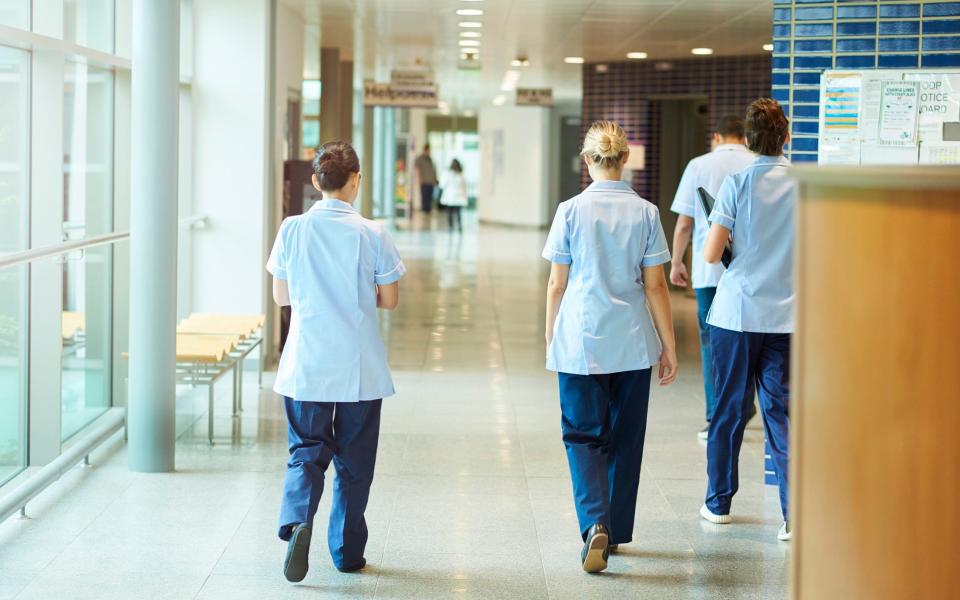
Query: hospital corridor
[(471, 499)]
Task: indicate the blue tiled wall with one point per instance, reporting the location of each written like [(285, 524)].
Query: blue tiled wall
[(811, 36)]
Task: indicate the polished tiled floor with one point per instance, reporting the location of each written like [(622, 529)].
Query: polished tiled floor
[(472, 497)]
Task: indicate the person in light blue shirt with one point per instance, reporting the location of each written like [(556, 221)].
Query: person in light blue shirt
[(751, 318), (729, 155), (607, 250), (334, 269)]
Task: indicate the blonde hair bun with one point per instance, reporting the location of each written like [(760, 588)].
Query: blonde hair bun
[(605, 144)]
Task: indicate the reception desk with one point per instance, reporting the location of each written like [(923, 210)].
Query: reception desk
[(875, 448)]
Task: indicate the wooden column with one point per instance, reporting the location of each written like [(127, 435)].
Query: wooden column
[(875, 450)]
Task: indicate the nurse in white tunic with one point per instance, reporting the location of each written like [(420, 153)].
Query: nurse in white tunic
[(334, 268)]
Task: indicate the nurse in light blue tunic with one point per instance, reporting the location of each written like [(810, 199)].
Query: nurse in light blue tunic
[(608, 322), (334, 268), (751, 318)]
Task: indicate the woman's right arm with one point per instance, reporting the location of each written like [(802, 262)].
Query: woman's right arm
[(281, 292), (388, 296), (556, 286), (655, 286)]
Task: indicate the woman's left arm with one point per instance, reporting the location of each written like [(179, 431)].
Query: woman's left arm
[(556, 286), (716, 239)]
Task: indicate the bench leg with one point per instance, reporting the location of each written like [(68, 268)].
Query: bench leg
[(240, 384), (210, 415), (260, 365)]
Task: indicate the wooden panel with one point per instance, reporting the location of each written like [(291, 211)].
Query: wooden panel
[(875, 454)]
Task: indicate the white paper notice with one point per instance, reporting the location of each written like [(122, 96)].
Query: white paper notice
[(840, 119), (870, 104), (944, 153), (899, 111)]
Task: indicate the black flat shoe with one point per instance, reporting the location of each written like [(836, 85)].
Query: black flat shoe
[(596, 550), (354, 567), (298, 550)]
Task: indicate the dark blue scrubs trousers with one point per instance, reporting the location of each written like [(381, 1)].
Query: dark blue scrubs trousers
[(704, 301), (604, 422), (745, 363), (347, 434)]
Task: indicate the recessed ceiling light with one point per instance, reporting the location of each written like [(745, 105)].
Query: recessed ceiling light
[(470, 50), (471, 24), (636, 55), (500, 100), (768, 47), (573, 60), (473, 43), (469, 12), (520, 62), (702, 51), (470, 34)]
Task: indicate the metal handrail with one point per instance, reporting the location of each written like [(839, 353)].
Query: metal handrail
[(95, 434), (27, 256)]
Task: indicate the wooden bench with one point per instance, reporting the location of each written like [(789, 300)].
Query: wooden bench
[(249, 330), (202, 359)]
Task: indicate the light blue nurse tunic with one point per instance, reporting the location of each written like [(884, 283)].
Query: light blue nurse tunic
[(333, 259), (755, 293), (607, 235), (707, 171)]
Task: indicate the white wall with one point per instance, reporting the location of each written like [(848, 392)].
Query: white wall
[(231, 170), (287, 75), (515, 168)]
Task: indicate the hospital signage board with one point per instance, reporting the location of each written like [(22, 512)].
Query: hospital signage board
[(534, 97), (386, 94)]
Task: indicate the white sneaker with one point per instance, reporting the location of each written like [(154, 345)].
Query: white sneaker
[(785, 534), (704, 433), (708, 515)]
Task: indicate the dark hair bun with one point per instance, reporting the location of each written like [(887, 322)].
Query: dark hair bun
[(333, 165), (766, 127)]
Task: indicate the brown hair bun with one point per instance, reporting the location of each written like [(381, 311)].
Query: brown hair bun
[(333, 165)]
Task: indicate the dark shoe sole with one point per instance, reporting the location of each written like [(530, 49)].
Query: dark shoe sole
[(353, 568), (597, 553), (295, 565)]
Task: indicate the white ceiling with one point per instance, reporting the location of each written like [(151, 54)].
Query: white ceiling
[(385, 34)]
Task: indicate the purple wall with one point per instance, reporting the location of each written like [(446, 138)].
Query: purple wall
[(623, 93)]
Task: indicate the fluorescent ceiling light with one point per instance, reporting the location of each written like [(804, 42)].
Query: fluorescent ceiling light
[(520, 62), (469, 34), (471, 24), (500, 100), (702, 51), (573, 60), (768, 47), (473, 43), (636, 55), (469, 12)]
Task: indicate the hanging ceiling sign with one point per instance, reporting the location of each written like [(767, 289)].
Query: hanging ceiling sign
[(534, 97), (412, 79), (386, 94)]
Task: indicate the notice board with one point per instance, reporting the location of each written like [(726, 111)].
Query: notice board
[(890, 117)]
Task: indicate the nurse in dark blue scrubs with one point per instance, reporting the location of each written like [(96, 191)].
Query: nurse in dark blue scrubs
[(607, 250), (334, 268)]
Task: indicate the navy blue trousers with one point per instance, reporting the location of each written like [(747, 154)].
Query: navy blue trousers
[(347, 434), (604, 422), (704, 301), (745, 363)]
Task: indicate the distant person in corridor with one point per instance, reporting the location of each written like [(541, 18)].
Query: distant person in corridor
[(728, 156), (607, 250), (427, 176), (334, 268), (752, 315), (454, 196)]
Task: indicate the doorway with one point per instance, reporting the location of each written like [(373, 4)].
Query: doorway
[(683, 135)]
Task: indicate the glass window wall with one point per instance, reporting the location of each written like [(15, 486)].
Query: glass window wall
[(14, 185), (87, 276)]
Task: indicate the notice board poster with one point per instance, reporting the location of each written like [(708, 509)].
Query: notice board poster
[(890, 117), (840, 118), (899, 113)]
